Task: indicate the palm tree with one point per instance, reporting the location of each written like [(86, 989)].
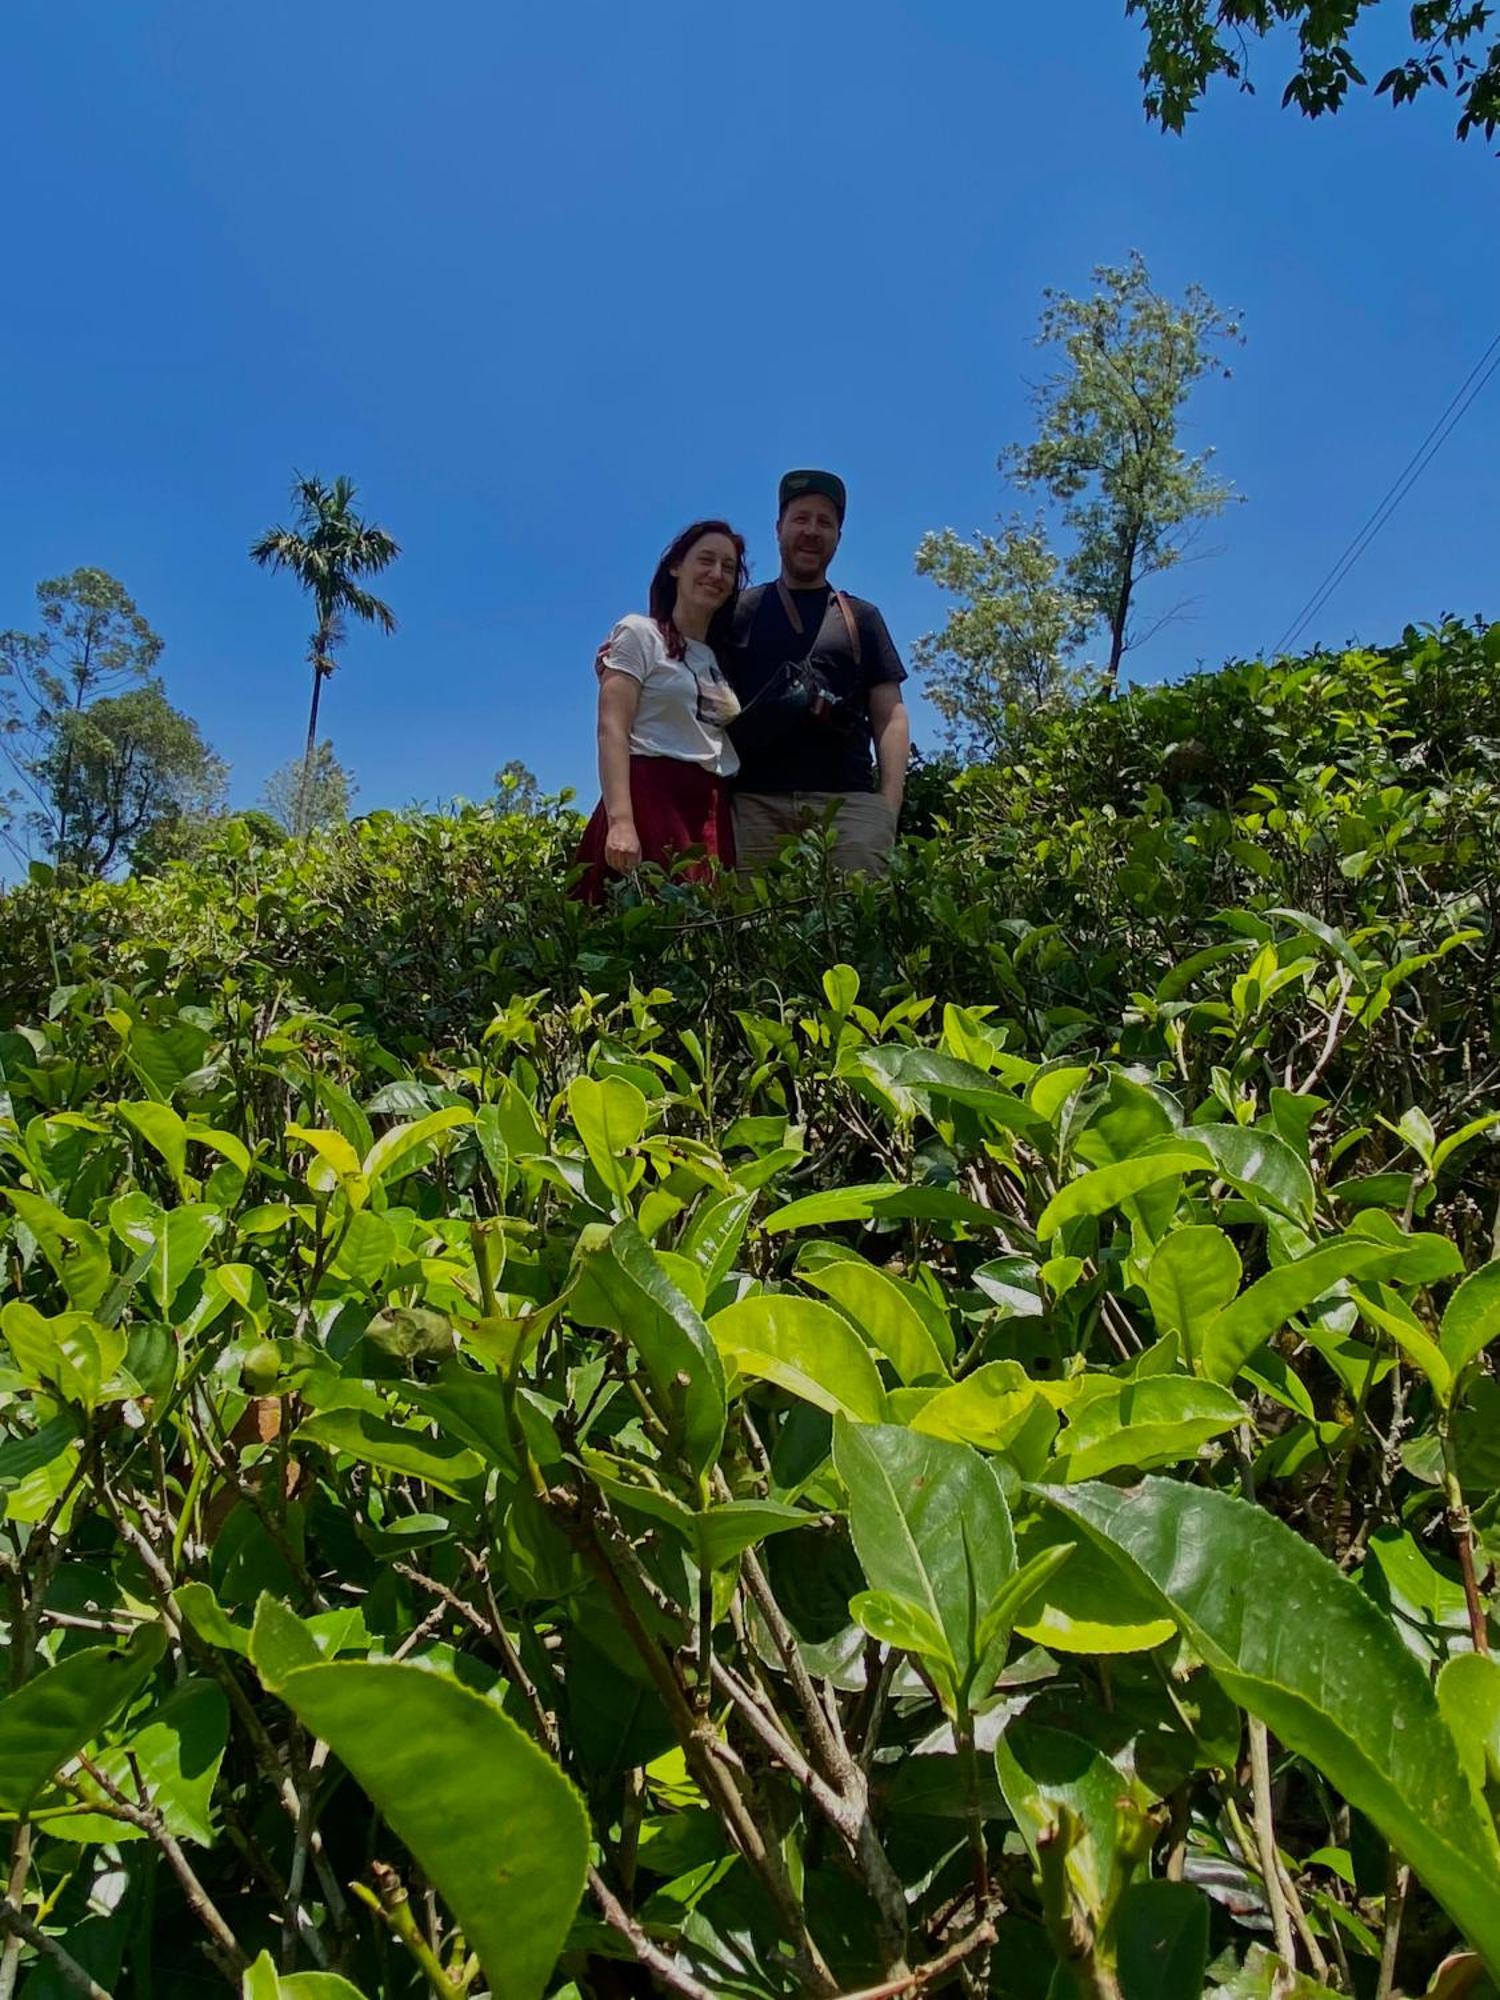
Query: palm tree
[(327, 550)]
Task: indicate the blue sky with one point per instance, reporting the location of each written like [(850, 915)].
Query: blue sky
[(548, 282)]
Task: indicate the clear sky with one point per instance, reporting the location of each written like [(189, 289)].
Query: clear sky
[(547, 282)]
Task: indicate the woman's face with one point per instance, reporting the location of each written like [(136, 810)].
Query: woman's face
[(707, 575)]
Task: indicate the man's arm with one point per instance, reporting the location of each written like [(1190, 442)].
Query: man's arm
[(890, 725)]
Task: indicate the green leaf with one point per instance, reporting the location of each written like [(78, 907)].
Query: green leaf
[(1471, 1319), (178, 1751), (805, 1347), (896, 1621), (393, 1147), (164, 1130), (610, 1115), (1266, 1977), (164, 1058), (72, 1353), (930, 1528), (1157, 1420), (490, 1820), (905, 1076), (878, 1307), (1019, 1592), (279, 1641), (998, 1408), (1468, 1692), (1194, 1274), (1265, 1307), (1060, 1788), (714, 1236), (1161, 1941), (185, 1236), (1091, 1605), (50, 1718), (263, 1982), (621, 1286), (880, 1201), (1295, 1642), (76, 1252), (24, 1454), (392, 1447), (1257, 1162), (1104, 1188)]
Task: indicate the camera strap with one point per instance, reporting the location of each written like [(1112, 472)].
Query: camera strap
[(836, 597)]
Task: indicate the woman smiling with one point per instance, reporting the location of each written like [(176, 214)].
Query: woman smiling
[(664, 706)]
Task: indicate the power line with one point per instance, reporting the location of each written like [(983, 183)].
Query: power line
[(1458, 407)]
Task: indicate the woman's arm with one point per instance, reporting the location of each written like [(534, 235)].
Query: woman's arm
[(619, 697)]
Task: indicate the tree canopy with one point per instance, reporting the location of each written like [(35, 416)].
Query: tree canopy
[(1127, 499), (1190, 42)]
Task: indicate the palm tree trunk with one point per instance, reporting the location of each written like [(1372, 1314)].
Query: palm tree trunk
[(304, 789)]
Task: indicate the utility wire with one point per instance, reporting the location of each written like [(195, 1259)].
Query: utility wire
[(1461, 402)]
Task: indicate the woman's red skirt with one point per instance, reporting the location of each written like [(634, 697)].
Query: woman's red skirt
[(680, 809)]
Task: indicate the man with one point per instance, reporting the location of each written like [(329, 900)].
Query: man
[(823, 728)]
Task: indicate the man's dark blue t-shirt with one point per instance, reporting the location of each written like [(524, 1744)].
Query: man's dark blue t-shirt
[(784, 748)]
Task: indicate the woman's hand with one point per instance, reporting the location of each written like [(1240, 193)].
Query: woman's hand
[(622, 846)]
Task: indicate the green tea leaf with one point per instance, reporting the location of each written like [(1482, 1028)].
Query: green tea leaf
[(1265, 1307), (805, 1347), (1157, 1420), (50, 1718), (877, 1306), (1471, 1319), (610, 1115), (1295, 1642), (880, 1201), (491, 1821), (392, 1447), (931, 1528), (1103, 1188), (621, 1286)]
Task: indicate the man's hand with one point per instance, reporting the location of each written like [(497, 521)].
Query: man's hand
[(622, 846)]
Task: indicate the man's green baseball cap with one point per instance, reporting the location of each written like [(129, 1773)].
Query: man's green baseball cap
[(795, 484)]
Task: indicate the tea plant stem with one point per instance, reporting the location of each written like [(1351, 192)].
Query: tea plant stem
[(656, 1961), (847, 1774), (1462, 1529), (19, 1926), (1397, 1882), (1265, 1839), (982, 1938), (150, 1822), (392, 1904), (20, 1868)]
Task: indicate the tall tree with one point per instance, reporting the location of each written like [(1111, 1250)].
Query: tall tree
[(328, 549), (517, 786), (130, 778), (1126, 496), (1190, 42), (322, 795), (92, 643), (1008, 647)]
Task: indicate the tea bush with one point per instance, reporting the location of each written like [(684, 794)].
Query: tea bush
[(813, 1439)]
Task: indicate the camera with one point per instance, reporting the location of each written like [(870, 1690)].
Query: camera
[(808, 687)]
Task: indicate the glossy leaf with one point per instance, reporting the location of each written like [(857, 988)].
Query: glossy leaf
[(610, 1114), (1104, 1188), (931, 1528), (804, 1346), (1265, 1307), (1302, 1647), (882, 1313), (493, 1824), (394, 1447), (50, 1718), (880, 1201), (621, 1286), (1471, 1319), (1194, 1274), (1158, 1420)]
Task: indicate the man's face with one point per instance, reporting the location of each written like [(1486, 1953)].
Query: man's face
[(808, 535)]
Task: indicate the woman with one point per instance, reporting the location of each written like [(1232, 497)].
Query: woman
[(664, 706)]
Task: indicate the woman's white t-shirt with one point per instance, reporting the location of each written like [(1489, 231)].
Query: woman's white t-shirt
[(685, 705)]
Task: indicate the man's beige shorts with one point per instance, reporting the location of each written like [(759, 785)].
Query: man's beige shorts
[(864, 827)]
